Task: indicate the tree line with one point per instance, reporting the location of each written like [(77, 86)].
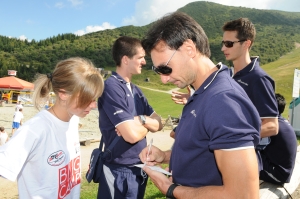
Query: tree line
[(277, 33)]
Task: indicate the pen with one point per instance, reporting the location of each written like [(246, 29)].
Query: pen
[(149, 148)]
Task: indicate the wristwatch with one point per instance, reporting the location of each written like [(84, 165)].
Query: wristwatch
[(143, 119), (169, 193)]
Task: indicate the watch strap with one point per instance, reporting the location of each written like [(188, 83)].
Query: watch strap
[(169, 193)]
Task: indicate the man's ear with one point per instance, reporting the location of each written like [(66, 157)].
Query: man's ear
[(124, 60), (190, 48), (248, 43)]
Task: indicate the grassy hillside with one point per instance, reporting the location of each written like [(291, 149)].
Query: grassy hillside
[(277, 31), (282, 71)]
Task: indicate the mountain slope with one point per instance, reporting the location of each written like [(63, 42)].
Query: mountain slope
[(277, 32)]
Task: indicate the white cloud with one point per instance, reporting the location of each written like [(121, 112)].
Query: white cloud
[(75, 2), (147, 11), (59, 5), (23, 37), (96, 28)]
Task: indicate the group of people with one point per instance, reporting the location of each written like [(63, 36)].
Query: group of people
[(218, 150)]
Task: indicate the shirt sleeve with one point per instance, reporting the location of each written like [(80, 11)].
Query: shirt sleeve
[(115, 105), (264, 98), (237, 122), (15, 152)]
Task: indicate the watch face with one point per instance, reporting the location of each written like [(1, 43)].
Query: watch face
[(143, 119)]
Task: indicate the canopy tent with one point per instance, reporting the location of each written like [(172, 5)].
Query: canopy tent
[(14, 83)]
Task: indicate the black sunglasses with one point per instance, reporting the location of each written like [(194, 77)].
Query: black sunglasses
[(229, 44), (164, 69)]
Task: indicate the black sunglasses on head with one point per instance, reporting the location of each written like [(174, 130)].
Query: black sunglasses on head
[(164, 69), (229, 44)]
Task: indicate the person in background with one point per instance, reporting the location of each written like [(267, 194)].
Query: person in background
[(124, 109), (3, 136), (44, 154), (19, 105), (17, 120), (279, 156), (213, 155), (238, 38)]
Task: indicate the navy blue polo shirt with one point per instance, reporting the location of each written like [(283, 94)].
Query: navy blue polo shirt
[(279, 156), (219, 115), (260, 88), (116, 105)]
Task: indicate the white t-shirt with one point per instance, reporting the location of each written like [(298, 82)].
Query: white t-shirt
[(18, 106), (44, 156), (18, 116), (3, 137)]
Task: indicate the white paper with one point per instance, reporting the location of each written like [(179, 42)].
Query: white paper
[(154, 168)]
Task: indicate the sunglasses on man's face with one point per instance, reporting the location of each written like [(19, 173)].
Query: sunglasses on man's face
[(229, 44), (164, 69)]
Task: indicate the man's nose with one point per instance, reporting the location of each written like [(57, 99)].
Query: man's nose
[(164, 78)]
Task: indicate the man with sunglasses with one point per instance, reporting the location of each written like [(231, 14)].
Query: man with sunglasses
[(213, 155), (238, 38), (124, 111)]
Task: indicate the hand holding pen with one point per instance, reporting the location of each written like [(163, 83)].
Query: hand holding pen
[(148, 152), (152, 155)]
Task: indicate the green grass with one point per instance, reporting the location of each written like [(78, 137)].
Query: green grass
[(89, 190), (282, 71), (162, 103)]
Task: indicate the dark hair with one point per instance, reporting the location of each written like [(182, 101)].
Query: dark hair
[(125, 46), (280, 102), (244, 27), (175, 29), (1, 128)]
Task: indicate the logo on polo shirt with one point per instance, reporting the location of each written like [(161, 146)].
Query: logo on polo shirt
[(193, 113), (56, 158), (240, 81), (117, 112)]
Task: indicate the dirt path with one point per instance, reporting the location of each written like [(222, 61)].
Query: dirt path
[(169, 91)]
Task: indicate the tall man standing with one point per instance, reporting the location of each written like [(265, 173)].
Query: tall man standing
[(238, 38), (213, 154), (124, 111)]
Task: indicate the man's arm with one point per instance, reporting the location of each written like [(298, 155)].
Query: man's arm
[(153, 122), (133, 130), (239, 171), (269, 127)]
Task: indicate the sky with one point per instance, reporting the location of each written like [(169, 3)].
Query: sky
[(41, 19)]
